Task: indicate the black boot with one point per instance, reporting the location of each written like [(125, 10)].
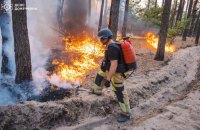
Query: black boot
[(123, 118)]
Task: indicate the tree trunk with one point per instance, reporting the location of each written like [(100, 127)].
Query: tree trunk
[(198, 32), (185, 32), (22, 46), (194, 14), (148, 4), (60, 13), (114, 17), (173, 14), (180, 10), (196, 24), (156, 3), (187, 6), (163, 31), (125, 19), (101, 15), (105, 23), (163, 3), (5, 33), (89, 7)]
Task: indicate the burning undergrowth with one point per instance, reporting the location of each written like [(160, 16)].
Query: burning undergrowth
[(80, 54), (152, 42), (67, 69), (69, 65)]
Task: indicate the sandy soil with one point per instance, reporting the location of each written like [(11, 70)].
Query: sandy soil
[(175, 105), (161, 94)]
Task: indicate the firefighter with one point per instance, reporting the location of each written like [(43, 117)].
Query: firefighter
[(112, 72)]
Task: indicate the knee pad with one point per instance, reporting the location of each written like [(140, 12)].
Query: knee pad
[(98, 79), (119, 94)]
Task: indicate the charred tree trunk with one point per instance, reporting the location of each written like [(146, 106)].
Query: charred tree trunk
[(198, 32), (101, 15), (125, 19), (180, 10), (5, 32), (185, 32), (173, 14), (163, 31), (114, 17), (194, 15), (22, 46)]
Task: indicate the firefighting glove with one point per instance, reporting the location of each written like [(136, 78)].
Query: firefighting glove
[(107, 83)]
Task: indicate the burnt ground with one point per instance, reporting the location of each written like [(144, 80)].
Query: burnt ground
[(153, 88)]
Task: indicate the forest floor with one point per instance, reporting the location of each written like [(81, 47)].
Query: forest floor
[(169, 111), (163, 95), (145, 59)]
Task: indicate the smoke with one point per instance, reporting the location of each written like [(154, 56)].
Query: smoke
[(8, 47), (44, 37), (41, 37), (75, 15), (0, 51), (6, 97), (6, 31)]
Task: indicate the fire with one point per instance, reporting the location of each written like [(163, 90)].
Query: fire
[(153, 41), (83, 53)]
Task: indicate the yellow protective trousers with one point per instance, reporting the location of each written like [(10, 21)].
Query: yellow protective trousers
[(118, 87)]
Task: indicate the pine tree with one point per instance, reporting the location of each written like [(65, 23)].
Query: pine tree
[(148, 4), (114, 17), (156, 3), (5, 33), (173, 13), (163, 31), (194, 15), (59, 13), (89, 7), (125, 18), (198, 31), (185, 32), (101, 15), (21, 41), (196, 24), (105, 23), (163, 3), (180, 10)]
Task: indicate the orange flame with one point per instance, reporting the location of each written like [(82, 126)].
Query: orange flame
[(153, 41), (83, 53)]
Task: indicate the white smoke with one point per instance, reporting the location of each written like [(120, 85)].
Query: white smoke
[(41, 36), (42, 23), (0, 51), (6, 97), (93, 21), (5, 94), (6, 21)]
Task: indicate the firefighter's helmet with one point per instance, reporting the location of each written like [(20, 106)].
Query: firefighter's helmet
[(105, 33)]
